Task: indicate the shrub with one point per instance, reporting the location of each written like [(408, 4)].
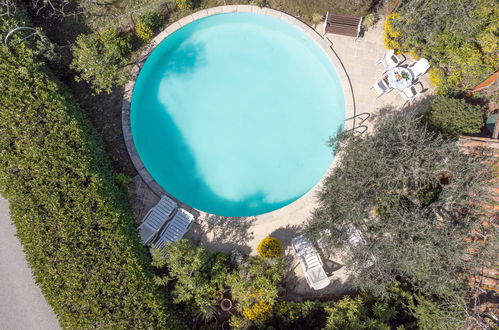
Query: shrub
[(254, 286), (198, 275), (370, 20), (390, 30), (99, 59), (146, 26), (184, 4), (453, 117), (71, 218), (270, 247), (392, 35), (260, 310)]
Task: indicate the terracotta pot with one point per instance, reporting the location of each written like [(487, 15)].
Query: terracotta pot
[(226, 304)]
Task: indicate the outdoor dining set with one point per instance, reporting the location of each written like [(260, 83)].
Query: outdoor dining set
[(401, 78)]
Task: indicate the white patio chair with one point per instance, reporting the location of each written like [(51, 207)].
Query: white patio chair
[(175, 229), (356, 239), (381, 87), (419, 67), (389, 60), (311, 263), (155, 218), (408, 94)]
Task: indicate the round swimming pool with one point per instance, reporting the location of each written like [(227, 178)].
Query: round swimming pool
[(231, 113)]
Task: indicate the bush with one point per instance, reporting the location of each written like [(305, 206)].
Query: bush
[(198, 275), (254, 287), (453, 117), (184, 4), (99, 59), (146, 26), (270, 247), (392, 35), (71, 217)]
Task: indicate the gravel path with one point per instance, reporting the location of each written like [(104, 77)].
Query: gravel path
[(22, 305)]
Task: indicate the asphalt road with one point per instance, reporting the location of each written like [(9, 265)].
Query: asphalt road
[(22, 305)]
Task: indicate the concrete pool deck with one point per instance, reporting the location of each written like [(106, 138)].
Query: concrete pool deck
[(356, 63)]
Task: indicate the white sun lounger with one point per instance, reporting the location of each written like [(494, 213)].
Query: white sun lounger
[(155, 218), (175, 229), (311, 263)]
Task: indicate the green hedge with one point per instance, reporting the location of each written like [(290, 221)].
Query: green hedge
[(71, 217)]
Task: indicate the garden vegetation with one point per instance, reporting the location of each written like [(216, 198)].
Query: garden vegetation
[(414, 197), (459, 37), (71, 218)]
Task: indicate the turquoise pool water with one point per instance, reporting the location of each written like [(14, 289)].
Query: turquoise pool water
[(231, 114)]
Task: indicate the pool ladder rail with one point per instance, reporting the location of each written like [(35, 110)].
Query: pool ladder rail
[(360, 128)]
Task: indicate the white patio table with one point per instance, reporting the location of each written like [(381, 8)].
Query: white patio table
[(400, 78)]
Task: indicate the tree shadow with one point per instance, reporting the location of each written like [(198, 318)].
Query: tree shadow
[(418, 106), (219, 233)]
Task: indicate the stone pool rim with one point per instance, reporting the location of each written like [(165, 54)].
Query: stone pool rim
[(323, 43)]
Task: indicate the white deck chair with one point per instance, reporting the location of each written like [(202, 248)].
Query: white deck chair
[(155, 218), (356, 239), (419, 67), (408, 94), (390, 60), (175, 229), (381, 86), (311, 263)]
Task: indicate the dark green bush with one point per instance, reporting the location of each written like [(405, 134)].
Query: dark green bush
[(100, 57), (70, 215), (453, 117)]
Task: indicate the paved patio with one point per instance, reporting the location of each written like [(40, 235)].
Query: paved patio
[(359, 59)]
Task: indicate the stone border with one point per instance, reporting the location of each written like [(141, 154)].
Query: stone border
[(324, 43)]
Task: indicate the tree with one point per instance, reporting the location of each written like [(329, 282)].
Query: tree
[(198, 275), (100, 58), (453, 117), (413, 196)]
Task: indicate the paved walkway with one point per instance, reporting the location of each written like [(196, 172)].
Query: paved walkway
[(22, 305)]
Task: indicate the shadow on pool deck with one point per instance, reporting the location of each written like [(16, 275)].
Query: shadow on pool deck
[(224, 233)]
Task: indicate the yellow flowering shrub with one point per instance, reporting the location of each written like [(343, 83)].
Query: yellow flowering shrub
[(184, 4), (143, 31), (437, 76), (270, 247), (392, 44), (390, 30), (259, 311)]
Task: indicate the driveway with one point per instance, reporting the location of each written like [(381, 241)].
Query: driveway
[(22, 305)]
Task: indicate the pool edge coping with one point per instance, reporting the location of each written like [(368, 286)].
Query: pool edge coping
[(324, 43)]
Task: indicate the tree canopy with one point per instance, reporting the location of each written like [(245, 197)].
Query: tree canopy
[(413, 197)]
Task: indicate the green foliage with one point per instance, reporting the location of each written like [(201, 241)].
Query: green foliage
[(431, 316), (146, 26), (270, 247), (184, 4), (72, 219), (388, 185), (255, 286), (199, 275), (348, 313), (289, 312), (370, 20), (454, 117), (458, 35), (99, 59)]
